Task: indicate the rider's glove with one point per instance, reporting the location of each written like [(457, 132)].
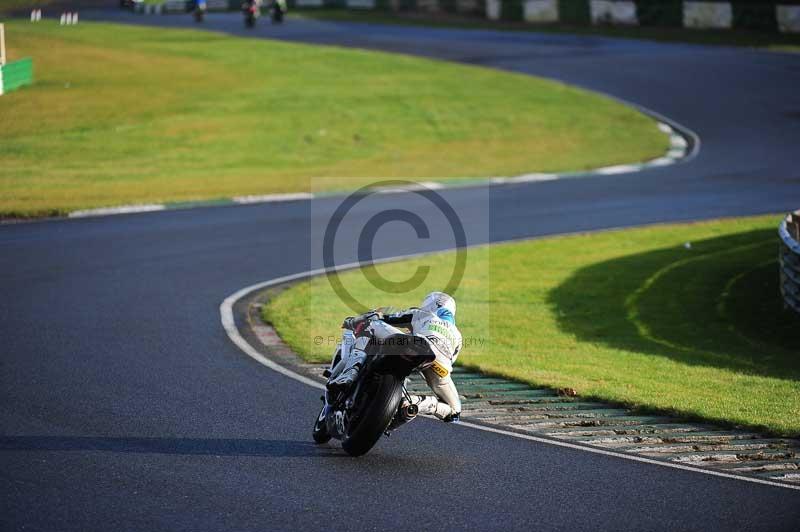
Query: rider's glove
[(349, 323), (353, 322)]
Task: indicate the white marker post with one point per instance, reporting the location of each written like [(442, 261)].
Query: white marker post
[(2, 45), (2, 54)]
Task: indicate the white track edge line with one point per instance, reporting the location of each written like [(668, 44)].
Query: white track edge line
[(122, 209), (229, 324), (673, 155), (633, 457), (271, 198)]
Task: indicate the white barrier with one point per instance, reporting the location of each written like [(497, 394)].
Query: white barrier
[(468, 6), (68, 19), (703, 15), (429, 6), (788, 18), (608, 12), (361, 4), (151, 9), (173, 6), (493, 9), (540, 11)]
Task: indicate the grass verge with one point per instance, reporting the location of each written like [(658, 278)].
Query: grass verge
[(122, 114), (634, 316), (769, 40)]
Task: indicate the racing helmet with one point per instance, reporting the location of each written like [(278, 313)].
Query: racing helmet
[(440, 304)]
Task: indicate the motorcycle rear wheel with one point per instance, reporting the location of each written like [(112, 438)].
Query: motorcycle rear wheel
[(379, 407)]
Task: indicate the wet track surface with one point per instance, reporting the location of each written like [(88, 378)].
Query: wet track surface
[(123, 405)]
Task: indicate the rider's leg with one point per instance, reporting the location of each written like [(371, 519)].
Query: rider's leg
[(446, 404), (347, 370), (341, 354)]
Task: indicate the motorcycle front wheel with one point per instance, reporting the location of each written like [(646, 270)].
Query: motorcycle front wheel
[(377, 407), (320, 432)]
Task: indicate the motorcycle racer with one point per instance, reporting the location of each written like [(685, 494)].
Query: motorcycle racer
[(434, 321)]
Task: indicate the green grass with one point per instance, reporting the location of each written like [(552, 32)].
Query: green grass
[(629, 316), (121, 114), (734, 37)]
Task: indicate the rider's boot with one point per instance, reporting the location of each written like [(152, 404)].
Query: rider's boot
[(431, 405), (345, 379)]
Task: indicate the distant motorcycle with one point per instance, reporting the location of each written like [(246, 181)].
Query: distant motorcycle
[(200, 11), (277, 11), (251, 13), (373, 405)]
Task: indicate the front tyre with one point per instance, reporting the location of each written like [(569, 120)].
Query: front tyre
[(320, 432), (379, 405)]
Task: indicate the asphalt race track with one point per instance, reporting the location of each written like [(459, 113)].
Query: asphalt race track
[(124, 406)]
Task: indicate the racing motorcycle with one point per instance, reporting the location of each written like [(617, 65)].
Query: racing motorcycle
[(251, 12), (276, 10), (199, 12), (373, 405)]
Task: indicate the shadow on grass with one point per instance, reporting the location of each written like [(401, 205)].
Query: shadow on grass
[(178, 446), (714, 303)]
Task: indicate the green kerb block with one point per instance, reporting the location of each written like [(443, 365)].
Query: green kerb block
[(17, 74)]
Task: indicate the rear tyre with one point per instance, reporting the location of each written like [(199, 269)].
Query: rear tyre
[(380, 404)]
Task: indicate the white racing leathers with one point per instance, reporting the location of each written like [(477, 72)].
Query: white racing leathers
[(445, 341), (443, 337)]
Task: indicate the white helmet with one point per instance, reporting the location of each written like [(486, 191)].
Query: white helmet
[(440, 304)]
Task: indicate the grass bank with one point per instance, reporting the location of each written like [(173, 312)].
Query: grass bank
[(635, 316), (769, 40), (122, 114)]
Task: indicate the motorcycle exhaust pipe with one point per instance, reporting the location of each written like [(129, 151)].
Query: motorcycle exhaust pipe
[(406, 413), (409, 412)]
